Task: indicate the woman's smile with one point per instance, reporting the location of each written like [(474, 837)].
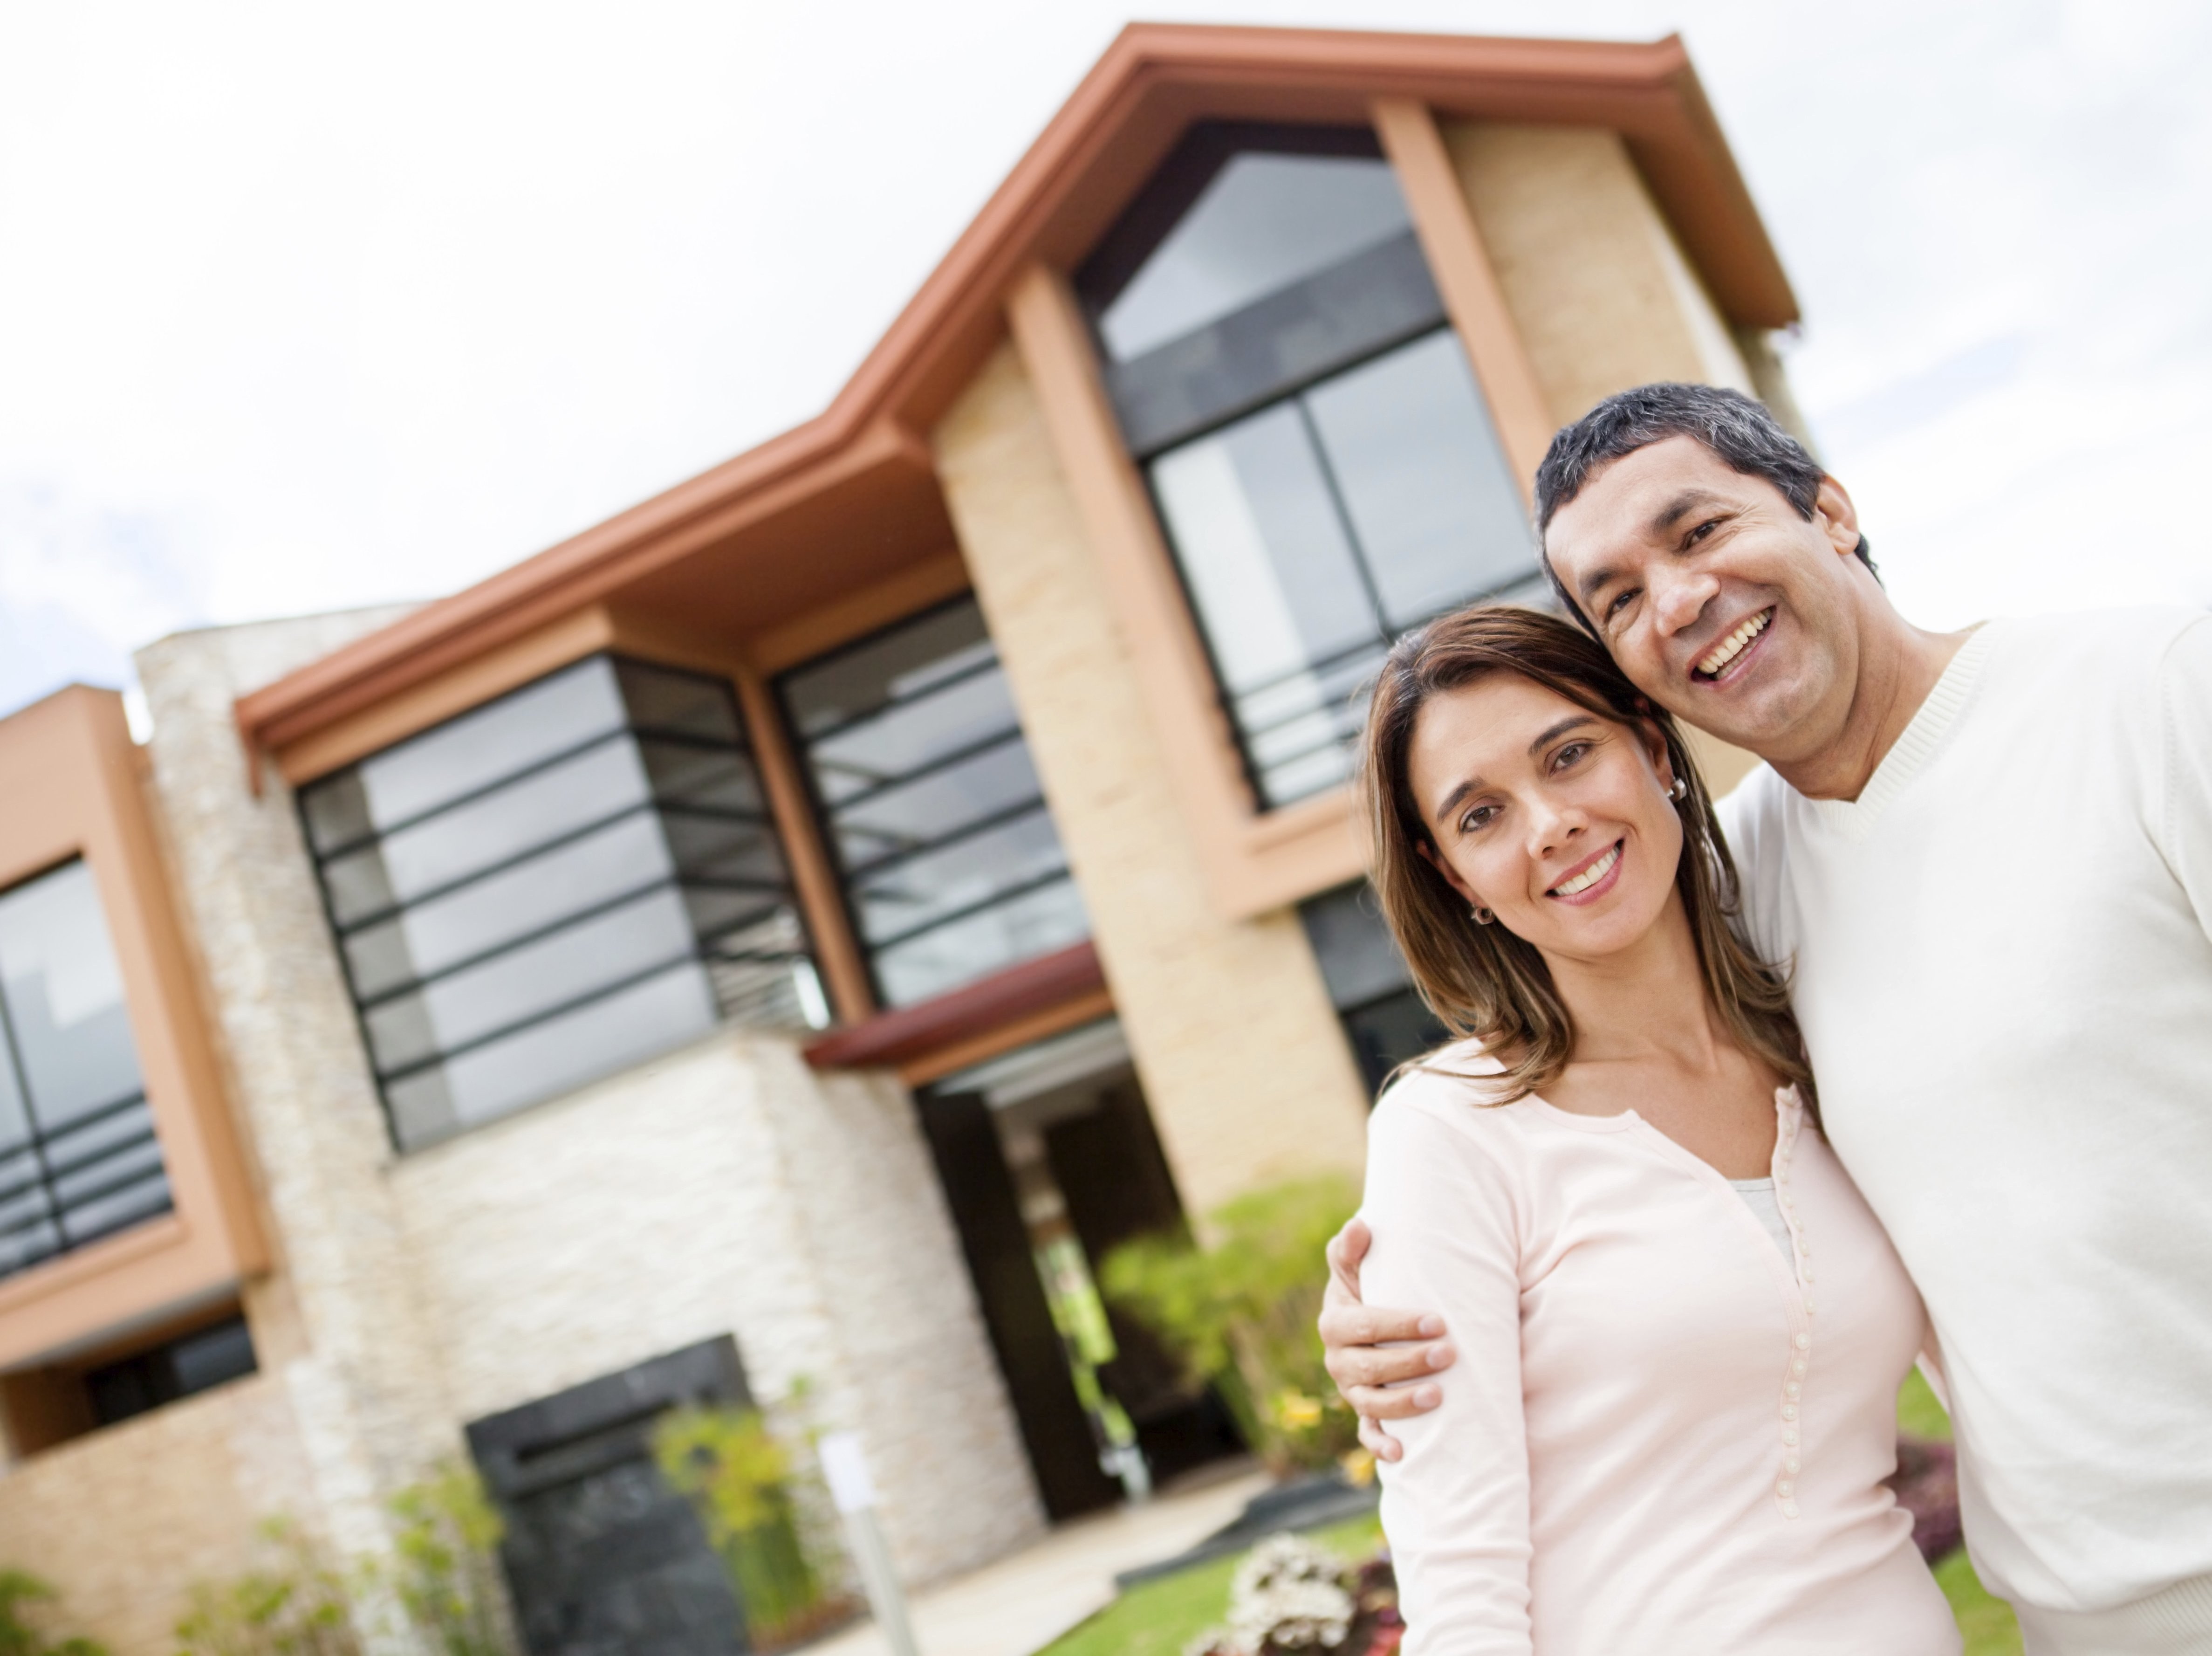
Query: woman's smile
[(1592, 878)]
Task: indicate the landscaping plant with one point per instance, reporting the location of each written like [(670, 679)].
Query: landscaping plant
[(1292, 1596), (751, 1497), (1240, 1311), (19, 1636)]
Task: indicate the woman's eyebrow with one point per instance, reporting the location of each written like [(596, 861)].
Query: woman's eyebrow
[(1472, 785), (1548, 737)]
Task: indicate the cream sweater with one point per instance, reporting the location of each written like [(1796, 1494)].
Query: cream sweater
[(1661, 1439), (2004, 974)]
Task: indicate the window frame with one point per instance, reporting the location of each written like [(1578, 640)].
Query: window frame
[(615, 654), (78, 788), (1256, 860), (824, 829)]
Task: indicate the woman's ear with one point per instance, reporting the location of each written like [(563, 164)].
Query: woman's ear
[(1451, 875), (1655, 749)]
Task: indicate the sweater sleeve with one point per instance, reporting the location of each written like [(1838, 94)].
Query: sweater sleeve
[(2184, 689), (1456, 1508)]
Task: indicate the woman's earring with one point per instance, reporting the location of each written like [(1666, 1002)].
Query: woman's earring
[(1680, 790), (1482, 916)]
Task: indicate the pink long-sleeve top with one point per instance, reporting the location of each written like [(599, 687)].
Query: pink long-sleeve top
[(1661, 1436)]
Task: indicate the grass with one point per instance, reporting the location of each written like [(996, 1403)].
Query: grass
[(1159, 1618)]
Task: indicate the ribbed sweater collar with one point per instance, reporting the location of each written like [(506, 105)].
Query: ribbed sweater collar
[(1855, 818)]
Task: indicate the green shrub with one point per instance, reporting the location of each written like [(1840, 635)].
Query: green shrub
[(19, 1632), (750, 1496), (1239, 1312), (297, 1603), (441, 1581)]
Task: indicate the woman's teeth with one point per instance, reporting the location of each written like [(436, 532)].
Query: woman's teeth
[(1590, 876), (1735, 644)]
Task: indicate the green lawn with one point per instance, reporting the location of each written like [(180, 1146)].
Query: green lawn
[(1160, 1617)]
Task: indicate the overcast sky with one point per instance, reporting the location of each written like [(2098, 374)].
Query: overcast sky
[(305, 308)]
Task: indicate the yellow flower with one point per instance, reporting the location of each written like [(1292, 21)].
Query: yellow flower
[(1359, 1467), (1297, 1411)]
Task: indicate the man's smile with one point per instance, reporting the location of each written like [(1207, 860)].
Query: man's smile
[(1716, 661)]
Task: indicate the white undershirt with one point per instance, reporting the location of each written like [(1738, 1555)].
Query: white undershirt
[(2002, 966), (1759, 1195)]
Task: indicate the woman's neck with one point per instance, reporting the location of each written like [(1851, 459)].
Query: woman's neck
[(1647, 1000)]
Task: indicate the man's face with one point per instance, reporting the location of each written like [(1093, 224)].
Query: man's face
[(1719, 602)]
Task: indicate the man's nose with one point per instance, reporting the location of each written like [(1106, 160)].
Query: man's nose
[(1679, 597)]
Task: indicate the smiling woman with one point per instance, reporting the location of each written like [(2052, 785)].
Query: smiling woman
[(1511, 768)]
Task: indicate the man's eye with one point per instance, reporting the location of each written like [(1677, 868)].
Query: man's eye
[(1619, 606), (1704, 529)]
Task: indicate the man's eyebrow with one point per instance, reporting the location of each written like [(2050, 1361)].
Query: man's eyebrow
[(1573, 720), (1680, 506)]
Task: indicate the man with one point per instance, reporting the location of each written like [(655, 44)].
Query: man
[(1988, 856)]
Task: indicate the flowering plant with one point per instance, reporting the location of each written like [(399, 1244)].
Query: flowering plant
[(1290, 1596)]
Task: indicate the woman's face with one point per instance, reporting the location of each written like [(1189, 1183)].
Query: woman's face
[(1556, 820)]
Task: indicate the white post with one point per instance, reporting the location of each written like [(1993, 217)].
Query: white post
[(846, 1468)]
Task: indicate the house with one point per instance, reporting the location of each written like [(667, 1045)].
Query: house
[(772, 944)]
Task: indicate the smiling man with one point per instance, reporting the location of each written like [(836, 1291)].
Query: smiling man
[(1987, 857)]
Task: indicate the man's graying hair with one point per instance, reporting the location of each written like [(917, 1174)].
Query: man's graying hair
[(1736, 428)]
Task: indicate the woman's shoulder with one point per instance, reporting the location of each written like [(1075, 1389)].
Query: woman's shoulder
[(1460, 1087)]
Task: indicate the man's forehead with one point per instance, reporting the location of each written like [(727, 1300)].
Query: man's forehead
[(1637, 499)]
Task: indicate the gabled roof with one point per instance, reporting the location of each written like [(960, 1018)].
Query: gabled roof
[(851, 495)]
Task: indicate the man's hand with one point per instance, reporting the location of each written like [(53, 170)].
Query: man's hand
[(1373, 1354)]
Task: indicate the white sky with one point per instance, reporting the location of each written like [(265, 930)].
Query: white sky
[(304, 307)]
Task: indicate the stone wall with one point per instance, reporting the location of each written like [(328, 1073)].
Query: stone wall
[(726, 1189), (122, 1522), (1244, 1065)]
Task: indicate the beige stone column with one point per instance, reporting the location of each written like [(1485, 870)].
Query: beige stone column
[(1246, 1068)]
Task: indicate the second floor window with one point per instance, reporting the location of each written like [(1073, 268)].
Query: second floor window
[(1316, 444), (556, 886), (952, 866), (78, 1157)]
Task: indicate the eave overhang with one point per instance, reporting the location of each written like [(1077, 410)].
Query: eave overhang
[(851, 495)]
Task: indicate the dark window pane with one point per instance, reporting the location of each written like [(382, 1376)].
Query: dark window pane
[(212, 1356), (622, 1028), (1384, 1019), (933, 806), (78, 1157), (1431, 498), (604, 884), (1265, 222), (494, 742), (1020, 927)]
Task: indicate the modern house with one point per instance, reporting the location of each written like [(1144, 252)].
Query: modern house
[(779, 938)]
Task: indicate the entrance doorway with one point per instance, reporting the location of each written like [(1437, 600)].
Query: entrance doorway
[(1050, 1161)]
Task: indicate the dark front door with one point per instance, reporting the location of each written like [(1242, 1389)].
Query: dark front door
[(602, 1557)]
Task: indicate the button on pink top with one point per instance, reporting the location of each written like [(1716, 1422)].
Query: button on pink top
[(1658, 1437)]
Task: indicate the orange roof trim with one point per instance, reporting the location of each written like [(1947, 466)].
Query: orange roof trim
[(860, 474)]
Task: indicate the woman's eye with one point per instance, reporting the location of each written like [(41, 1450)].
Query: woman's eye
[(1481, 817), (1569, 754)]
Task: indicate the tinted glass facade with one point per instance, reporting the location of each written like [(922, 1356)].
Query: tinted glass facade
[(1384, 1017), (951, 867), (78, 1158), (1318, 450), (553, 887)]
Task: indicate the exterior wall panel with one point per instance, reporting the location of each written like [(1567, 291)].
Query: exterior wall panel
[(1244, 1065)]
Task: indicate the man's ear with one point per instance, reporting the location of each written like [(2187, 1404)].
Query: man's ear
[(1837, 517)]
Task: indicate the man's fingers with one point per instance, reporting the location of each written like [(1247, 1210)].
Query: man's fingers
[(1377, 1442), (1393, 1402), (1351, 1323), (1346, 1249), (1361, 1365)]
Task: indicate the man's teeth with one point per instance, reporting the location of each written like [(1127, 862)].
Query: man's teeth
[(1733, 646), (1590, 876)]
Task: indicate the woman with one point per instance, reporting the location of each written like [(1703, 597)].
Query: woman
[(1681, 1331)]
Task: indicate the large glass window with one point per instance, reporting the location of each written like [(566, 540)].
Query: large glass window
[(1318, 449), (78, 1158), (563, 882), (952, 865)]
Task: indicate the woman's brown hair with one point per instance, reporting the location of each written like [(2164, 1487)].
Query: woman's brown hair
[(1483, 981)]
